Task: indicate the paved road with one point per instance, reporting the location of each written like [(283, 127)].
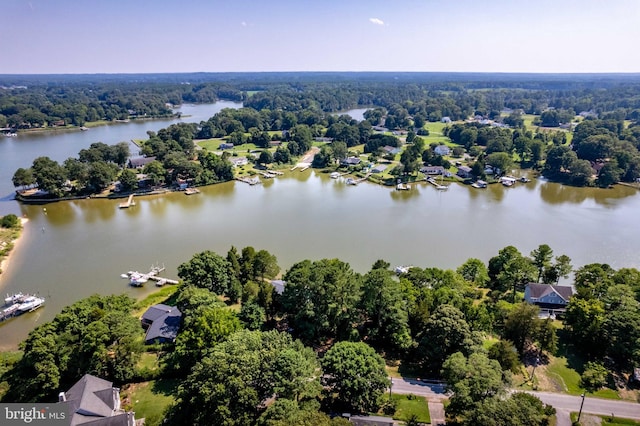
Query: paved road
[(629, 410), (561, 402)]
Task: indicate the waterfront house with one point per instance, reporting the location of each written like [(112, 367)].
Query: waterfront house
[(94, 401), (464, 172), (239, 161), (442, 150), (350, 161), (432, 170), (162, 323), (379, 168), (139, 162), (550, 298)]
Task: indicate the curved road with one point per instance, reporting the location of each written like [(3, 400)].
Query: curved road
[(435, 391)]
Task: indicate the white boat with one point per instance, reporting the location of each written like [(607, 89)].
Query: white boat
[(335, 175), (10, 299), (402, 187), (351, 181), (138, 279), (123, 276), (402, 269), (31, 303), (442, 187)]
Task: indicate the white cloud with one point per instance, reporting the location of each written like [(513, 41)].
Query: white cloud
[(376, 21), (243, 23)]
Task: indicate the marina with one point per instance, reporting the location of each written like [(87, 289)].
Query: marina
[(18, 304)]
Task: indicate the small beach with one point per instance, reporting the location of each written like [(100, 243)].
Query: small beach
[(6, 260)]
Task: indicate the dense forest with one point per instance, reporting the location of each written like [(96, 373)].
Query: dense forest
[(320, 346)]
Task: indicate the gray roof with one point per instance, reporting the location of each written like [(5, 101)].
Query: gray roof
[(164, 326), (536, 291), (95, 401), (156, 311), (140, 161), (278, 286)]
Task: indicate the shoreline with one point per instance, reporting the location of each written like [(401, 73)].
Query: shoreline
[(6, 262)]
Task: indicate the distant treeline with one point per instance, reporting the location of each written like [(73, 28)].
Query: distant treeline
[(35, 101)]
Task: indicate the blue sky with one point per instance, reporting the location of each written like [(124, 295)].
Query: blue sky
[(130, 36)]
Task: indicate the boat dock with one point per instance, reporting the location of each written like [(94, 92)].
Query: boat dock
[(137, 279), (128, 203), (351, 181), (191, 191), (438, 186), (250, 181), (271, 174)]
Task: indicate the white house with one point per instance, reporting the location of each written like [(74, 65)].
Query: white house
[(549, 297), (442, 150)]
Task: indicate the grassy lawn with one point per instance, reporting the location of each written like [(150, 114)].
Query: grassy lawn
[(149, 400), (407, 405), (606, 420), (163, 295), (568, 379)]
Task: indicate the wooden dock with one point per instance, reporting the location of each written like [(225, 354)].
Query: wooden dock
[(191, 191), (250, 181), (128, 203), (137, 279)]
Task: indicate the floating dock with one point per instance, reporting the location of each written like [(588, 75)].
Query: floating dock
[(137, 279), (191, 191), (250, 181), (128, 203)]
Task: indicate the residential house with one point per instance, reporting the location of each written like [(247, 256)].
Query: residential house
[(239, 161), (380, 129), (432, 170), (94, 401), (445, 120), (442, 150), (139, 162), (464, 172), (162, 323), (225, 145), (323, 139), (391, 150), (550, 298), (350, 161), (379, 168)]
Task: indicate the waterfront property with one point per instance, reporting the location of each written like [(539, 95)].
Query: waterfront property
[(162, 323), (95, 401), (550, 298)]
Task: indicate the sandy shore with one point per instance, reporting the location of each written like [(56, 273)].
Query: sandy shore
[(4, 265)]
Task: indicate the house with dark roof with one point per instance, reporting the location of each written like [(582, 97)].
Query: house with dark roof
[(94, 401), (140, 162), (225, 145), (464, 172), (442, 150), (379, 168), (550, 298), (388, 149), (350, 161), (278, 286), (162, 323)]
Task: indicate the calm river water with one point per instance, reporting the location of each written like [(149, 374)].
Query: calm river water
[(77, 248)]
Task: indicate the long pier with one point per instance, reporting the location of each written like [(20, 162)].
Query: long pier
[(128, 203), (250, 181)]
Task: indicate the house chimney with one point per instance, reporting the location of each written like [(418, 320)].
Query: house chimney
[(62, 397)]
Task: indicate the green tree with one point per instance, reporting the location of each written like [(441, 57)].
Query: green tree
[(584, 322), (541, 258), (156, 172), (265, 157), (101, 175), (201, 330), (385, 311), (506, 354), (355, 376), (321, 298), (594, 377), (9, 221), (472, 380), (339, 149), (252, 315), (474, 271), (229, 385), (265, 265), (207, 270), (521, 326), (23, 178), (128, 180), (49, 175)]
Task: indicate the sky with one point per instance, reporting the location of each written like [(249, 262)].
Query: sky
[(153, 36)]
